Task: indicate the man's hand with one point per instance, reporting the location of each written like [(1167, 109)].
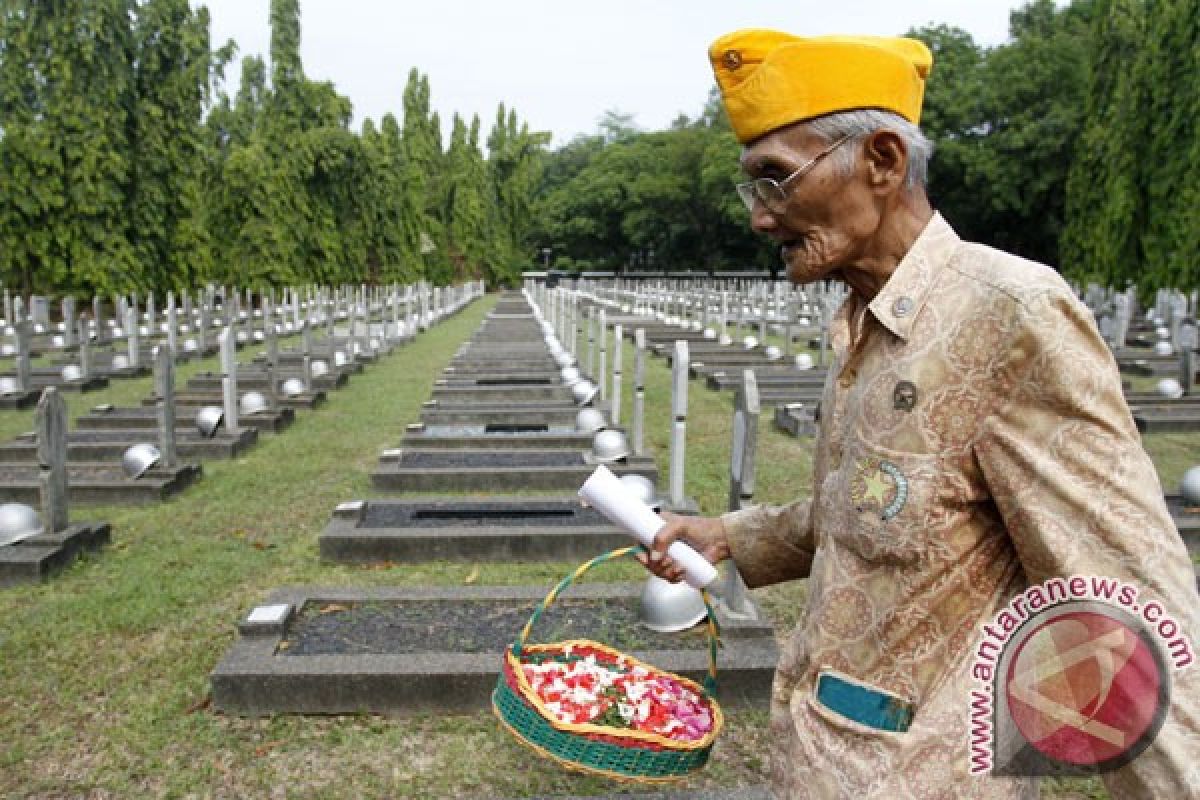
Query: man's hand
[(705, 534)]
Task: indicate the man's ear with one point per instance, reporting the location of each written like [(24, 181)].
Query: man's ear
[(886, 157)]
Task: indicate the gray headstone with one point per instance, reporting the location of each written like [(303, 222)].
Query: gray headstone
[(602, 372), (164, 382), (1187, 370), (85, 351), (39, 310), (68, 315), (98, 315), (639, 391), (202, 329), (615, 403), (23, 367), (679, 402), (229, 380), (272, 341), (132, 338), (8, 306), (52, 459), (172, 324)]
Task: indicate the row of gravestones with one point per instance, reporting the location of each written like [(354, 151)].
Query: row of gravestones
[(89, 352), (1162, 343), (147, 453), (1168, 329), (486, 477)]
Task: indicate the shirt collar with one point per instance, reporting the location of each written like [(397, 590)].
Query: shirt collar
[(902, 297)]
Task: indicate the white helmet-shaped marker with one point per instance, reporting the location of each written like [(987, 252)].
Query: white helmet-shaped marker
[(1169, 387), (208, 420), (585, 392), (590, 420), (804, 361), (252, 403), (139, 458), (1189, 487), (292, 387), (668, 607), (609, 446), (641, 486), (18, 521)]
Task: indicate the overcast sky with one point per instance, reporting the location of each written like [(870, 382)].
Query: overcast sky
[(560, 63)]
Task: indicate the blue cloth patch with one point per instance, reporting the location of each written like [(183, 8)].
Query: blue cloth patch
[(866, 706)]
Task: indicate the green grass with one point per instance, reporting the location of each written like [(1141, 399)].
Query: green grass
[(104, 669)]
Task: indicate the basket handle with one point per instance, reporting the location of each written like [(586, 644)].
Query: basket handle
[(714, 633)]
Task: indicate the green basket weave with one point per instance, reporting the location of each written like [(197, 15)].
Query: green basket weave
[(613, 752)]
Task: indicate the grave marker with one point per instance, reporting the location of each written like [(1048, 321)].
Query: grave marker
[(52, 459), (741, 482), (229, 393), (68, 315), (679, 401), (615, 405), (23, 367), (131, 337), (85, 352), (639, 391), (164, 379)]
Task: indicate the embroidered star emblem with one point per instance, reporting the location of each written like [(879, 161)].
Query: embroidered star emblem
[(877, 487)]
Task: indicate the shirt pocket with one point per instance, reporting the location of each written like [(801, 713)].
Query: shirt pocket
[(842, 724), (884, 505)]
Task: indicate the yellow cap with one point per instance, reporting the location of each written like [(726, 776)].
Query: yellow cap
[(769, 79)]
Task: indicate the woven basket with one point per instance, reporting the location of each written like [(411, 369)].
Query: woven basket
[(619, 753)]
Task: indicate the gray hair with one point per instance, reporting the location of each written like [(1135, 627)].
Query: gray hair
[(862, 123)]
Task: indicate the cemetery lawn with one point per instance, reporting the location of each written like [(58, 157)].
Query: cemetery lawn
[(104, 669)]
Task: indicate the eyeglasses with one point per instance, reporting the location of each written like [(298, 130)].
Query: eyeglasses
[(773, 194)]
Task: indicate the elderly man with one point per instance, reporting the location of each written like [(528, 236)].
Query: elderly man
[(974, 452)]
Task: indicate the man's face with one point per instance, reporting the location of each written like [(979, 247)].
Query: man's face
[(827, 219)]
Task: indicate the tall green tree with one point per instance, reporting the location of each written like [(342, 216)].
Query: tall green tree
[(68, 119), (1105, 198), (1166, 68), (174, 76), (422, 174), (515, 160)]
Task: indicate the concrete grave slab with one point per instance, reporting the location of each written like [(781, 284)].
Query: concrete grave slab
[(439, 649), (494, 470), (38, 557), (417, 530)]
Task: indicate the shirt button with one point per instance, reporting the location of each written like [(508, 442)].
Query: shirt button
[(902, 307)]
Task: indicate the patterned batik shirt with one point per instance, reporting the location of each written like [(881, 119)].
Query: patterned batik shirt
[(973, 441)]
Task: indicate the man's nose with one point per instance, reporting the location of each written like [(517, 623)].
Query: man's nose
[(761, 219)]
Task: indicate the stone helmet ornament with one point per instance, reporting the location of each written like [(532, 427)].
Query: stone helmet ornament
[(252, 403), (590, 420), (139, 458), (609, 446), (208, 420), (584, 392), (18, 521), (669, 607)]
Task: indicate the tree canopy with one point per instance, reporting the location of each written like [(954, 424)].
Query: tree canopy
[(125, 165)]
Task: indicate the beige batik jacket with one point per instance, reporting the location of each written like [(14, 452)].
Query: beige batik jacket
[(973, 440)]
